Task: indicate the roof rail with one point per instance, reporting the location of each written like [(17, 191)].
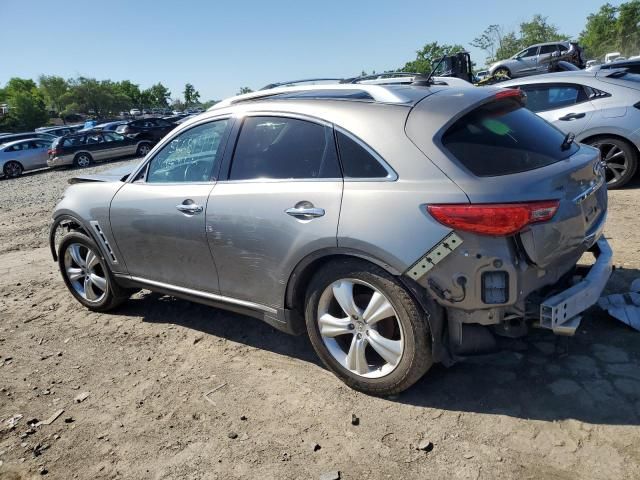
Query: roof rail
[(296, 82), (380, 76), (378, 93)]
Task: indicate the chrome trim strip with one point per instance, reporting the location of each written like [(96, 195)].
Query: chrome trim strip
[(200, 293), (593, 188)]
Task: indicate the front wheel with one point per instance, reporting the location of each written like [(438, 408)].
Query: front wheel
[(366, 328), (12, 169), (86, 274), (502, 72)]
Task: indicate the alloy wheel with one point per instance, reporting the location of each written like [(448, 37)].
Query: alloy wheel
[(360, 328), (615, 159), (83, 161), (85, 272), (13, 169), (143, 150)]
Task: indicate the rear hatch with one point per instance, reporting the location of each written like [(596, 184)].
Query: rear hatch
[(499, 152)]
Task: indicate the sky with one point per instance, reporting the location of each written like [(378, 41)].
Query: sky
[(220, 46)]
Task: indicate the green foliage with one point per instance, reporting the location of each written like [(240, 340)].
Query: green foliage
[(27, 107), (157, 96), (613, 29), (244, 90), (427, 57), (53, 88), (191, 95)]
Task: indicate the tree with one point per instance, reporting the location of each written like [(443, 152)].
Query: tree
[(26, 106), (612, 29), (131, 91), (509, 46), (538, 30), (244, 90), (628, 27), (427, 57), (490, 41), (158, 95), (191, 95), (53, 89)]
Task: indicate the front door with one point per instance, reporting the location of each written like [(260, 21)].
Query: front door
[(280, 201), (158, 219)]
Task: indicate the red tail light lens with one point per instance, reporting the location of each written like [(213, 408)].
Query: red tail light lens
[(495, 219)]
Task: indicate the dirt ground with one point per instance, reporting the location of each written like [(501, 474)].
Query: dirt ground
[(561, 408)]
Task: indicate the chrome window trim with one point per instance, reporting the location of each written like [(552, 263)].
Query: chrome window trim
[(199, 293), (167, 139)]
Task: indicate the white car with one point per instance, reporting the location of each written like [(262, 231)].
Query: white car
[(134, 112)]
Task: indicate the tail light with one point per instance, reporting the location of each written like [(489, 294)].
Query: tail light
[(54, 151), (495, 219)]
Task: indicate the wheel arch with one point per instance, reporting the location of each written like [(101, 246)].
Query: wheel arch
[(74, 225), (14, 161), (592, 136)]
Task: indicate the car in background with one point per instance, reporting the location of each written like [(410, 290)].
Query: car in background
[(535, 59), (22, 155), (150, 129), (108, 126), (174, 118), (10, 137), (176, 112), (82, 149), (601, 107), (632, 66), (60, 131), (134, 112)]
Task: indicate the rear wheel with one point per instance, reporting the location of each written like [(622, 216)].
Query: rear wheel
[(366, 328), (82, 160), (12, 169), (86, 274), (621, 160), (143, 149)]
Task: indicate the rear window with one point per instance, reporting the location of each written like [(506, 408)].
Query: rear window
[(502, 137)]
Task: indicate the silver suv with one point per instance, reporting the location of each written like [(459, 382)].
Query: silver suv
[(397, 225), (530, 61)]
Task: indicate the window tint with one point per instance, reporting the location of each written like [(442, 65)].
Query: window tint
[(548, 49), (275, 147), (189, 157), (94, 138), (529, 52), (112, 137), (563, 48), (73, 141), (357, 162), (161, 123), (549, 97), (502, 138)]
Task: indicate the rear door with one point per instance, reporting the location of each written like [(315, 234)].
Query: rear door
[(526, 62), (158, 218), (566, 105), (279, 202), (545, 56), (117, 145)]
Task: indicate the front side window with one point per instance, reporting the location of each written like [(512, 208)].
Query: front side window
[(529, 52), (284, 148), (94, 138), (502, 138), (191, 156), (112, 137), (541, 98), (357, 162)]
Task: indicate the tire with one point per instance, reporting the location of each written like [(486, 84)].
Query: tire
[(99, 296), (143, 149), (406, 360), (12, 169), (621, 159), (82, 160), (502, 72)]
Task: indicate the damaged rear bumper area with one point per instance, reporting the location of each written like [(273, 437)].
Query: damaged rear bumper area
[(562, 311)]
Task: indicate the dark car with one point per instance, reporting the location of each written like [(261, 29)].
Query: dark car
[(83, 148), (632, 66), (151, 129), (60, 131), (12, 137)]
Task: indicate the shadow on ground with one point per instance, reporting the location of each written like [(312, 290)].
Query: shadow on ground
[(593, 377)]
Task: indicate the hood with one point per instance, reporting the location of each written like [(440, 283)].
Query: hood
[(118, 174)]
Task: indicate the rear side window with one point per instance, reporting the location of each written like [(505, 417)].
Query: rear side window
[(284, 148), (541, 98), (502, 137), (357, 162), (73, 141)]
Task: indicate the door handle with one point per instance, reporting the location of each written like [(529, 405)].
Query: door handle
[(305, 213), (189, 208), (572, 116)]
